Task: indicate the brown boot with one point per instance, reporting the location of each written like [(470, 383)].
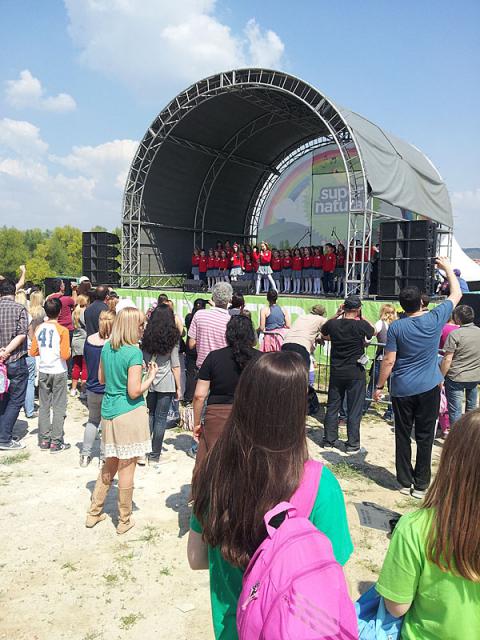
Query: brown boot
[(99, 495), (125, 521)]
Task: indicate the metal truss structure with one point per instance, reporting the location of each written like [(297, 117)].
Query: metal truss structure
[(276, 99)]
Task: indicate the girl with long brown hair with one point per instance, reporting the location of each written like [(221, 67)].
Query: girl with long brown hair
[(431, 573), (257, 462)]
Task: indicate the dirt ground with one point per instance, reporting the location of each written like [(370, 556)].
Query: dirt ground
[(61, 580)]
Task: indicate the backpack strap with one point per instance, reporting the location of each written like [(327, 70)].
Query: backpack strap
[(306, 494)]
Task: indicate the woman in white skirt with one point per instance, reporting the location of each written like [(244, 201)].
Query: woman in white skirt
[(125, 429), (264, 269)]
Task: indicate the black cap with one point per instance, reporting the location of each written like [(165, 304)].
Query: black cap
[(351, 303)]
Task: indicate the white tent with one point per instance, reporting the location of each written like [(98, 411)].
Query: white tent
[(470, 269)]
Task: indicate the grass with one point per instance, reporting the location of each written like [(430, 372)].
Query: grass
[(347, 471), (125, 558), (407, 503), (5, 479), (110, 578), (94, 635), (165, 571), (15, 458), (150, 534), (127, 622), (69, 566)]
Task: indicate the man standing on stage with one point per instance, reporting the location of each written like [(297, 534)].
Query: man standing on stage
[(411, 357)]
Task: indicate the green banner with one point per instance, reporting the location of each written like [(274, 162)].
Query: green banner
[(144, 298)]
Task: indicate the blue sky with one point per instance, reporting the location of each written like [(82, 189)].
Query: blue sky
[(411, 67)]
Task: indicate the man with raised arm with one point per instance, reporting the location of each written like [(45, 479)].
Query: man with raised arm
[(411, 357)]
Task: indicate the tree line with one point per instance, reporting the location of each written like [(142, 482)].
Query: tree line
[(45, 253)]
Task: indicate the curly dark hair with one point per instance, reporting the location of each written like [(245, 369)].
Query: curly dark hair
[(161, 334), (241, 338)]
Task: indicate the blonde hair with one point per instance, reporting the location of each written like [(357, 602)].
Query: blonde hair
[(21, 297), (105, 324), (388, 313), (82, 302), (126, 328)]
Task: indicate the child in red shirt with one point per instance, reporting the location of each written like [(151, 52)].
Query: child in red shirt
[(249, 267), (195, 263), (307, 271), (202, 266), (297, 270), (287, 271), (329, 263), (276, 265), (264, 269), (340, 270), (210, 269), (223, 267), (236, 263), (317, 262)]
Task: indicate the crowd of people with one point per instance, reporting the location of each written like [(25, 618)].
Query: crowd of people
[(318, 270), (248, 390)]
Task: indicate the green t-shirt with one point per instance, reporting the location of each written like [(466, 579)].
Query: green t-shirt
[(444, 606), (328, 515), (116, 400)]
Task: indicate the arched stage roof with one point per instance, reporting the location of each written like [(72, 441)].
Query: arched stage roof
[(201, 169)]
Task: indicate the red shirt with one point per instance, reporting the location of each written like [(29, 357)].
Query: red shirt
[(307, 262), (255, 255), (202, 264), (265, 257), (195, 260), (276, 264), (340, 259), (287, 262), (297, 263), (211, 262), (229, 252), (329, 262), (223, 263), (68, 304), (237, 260), (317, 262), (217, 263), (249, 267)]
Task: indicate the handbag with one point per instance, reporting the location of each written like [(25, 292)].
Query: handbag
[(374, 621)]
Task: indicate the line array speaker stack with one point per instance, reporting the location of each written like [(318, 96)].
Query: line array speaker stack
[(407, 257), (99, 257)]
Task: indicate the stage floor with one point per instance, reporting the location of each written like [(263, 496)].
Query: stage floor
[(296, 305)]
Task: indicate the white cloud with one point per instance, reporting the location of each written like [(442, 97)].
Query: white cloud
[(21, 137), (466, 217), (83, 188), (27, 92), (154, 43)]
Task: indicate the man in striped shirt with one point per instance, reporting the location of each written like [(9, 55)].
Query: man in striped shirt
[(208, 328)]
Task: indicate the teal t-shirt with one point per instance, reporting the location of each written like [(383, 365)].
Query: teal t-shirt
[(444, 605), (116, 364), (328, 515)]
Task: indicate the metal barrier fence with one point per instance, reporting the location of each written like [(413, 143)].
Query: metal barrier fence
[(322, 370)]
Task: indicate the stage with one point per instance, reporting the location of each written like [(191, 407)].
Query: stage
[(296, 305)]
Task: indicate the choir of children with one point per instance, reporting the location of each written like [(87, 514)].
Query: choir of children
[(302, 270)]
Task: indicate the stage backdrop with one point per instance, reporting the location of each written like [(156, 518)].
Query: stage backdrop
[(309, 203)]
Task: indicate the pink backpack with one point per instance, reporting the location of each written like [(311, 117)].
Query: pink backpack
[(293, 586)]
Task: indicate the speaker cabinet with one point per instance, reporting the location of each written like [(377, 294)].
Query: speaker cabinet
[(407, 256)]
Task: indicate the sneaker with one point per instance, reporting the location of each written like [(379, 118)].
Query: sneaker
[(73, 393), (142, 461), (352, 450), (418, 494), (85, 460), (58, 448), (32, 416), (405, 491), (13, 445), (44, 445)]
